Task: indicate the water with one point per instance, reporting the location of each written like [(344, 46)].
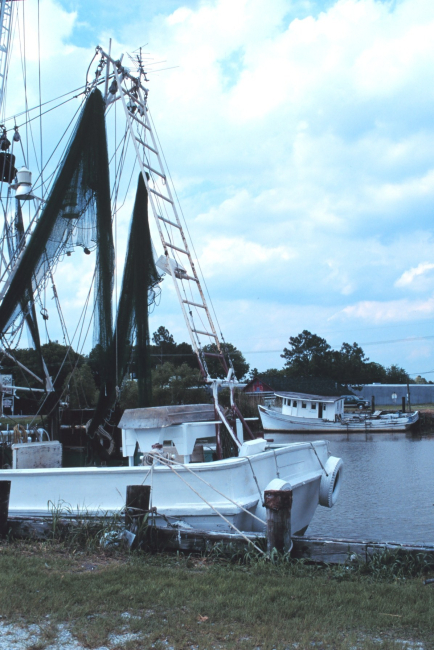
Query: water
[(387, 492)]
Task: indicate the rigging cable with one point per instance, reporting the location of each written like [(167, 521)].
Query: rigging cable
[(40, 104)]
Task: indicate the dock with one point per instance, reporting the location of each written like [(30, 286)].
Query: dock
[(314, 549)]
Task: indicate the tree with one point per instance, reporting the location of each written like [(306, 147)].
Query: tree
[(396, 375), (350, 364), (164, 346), (177, 385), (59, 359), (165, 349), (81, 388), (129, 397), (308, 355), (254, 372), (375, 373), (215, 368), (184, 354)]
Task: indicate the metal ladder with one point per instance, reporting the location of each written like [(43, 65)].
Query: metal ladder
[(178, 260)]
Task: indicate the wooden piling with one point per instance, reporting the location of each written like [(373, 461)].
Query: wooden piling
[(5, 490), (137, 507), (403, 404), (278, 504)]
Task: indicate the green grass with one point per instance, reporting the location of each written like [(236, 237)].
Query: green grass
[(397, 407), (24, 420), (210, 602)]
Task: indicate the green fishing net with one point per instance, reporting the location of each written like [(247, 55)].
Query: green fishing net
[(76, 214), (138, 293)]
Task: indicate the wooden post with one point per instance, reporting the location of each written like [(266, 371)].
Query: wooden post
[(408, 395), (137, 507), (218, 449), (373, 404), (5, 490), (278, 504), (403, 404)]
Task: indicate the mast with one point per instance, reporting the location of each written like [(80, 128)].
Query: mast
[(177, 261), (5, 41)]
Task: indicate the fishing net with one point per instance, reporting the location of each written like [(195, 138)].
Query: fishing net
[(138, 293), (77, 214)]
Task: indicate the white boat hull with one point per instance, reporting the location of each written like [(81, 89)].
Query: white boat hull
[(274, 420), (96, 490)]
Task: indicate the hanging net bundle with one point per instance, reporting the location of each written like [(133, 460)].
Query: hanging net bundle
[(77, 213), (139, 280)]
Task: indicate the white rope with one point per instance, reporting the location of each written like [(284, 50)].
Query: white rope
[(217, 512), (319, 459), (167, 464)]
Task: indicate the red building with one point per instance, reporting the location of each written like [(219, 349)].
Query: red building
[(256, 385)]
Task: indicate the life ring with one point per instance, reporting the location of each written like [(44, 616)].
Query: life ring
[(331, 482)]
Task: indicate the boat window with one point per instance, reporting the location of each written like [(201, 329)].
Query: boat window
[(313, 406), (303, 405), (294, 403), (324, 406)]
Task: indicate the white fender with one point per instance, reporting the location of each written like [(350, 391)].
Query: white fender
[(331, 483)]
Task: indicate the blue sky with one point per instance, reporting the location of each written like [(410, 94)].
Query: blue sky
[(300, 136)]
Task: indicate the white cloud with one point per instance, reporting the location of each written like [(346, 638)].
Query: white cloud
[(307, 178), (408, 277), (391, 311)]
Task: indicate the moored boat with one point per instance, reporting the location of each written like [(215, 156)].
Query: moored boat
[(223, 492), (215, 495), (316, 413)]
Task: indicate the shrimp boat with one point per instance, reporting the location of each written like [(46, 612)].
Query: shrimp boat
[(318, 413), (205, 467)]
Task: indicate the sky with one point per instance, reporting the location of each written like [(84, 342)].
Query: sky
[(300, 137)]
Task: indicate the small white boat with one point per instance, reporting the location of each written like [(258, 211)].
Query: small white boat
[(216, 496), (304, 412)]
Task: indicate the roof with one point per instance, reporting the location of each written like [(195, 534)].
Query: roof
[(255, 379), (165, 416), (306, 396)]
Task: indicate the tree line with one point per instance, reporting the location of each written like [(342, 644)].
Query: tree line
[(176, 377), (309, 355)]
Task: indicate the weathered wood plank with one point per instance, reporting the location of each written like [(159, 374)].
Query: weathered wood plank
[(315, 549), (338, 551)]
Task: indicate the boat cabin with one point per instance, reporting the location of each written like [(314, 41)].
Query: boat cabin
[(176, 428), (302, 405)]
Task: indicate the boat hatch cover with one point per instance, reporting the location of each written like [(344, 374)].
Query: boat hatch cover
[(164, 416)]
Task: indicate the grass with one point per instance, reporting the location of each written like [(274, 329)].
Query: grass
[(24, 420), (218, 600), (397, 407)]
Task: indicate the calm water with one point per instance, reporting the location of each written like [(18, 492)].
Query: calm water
[(387, 492)]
